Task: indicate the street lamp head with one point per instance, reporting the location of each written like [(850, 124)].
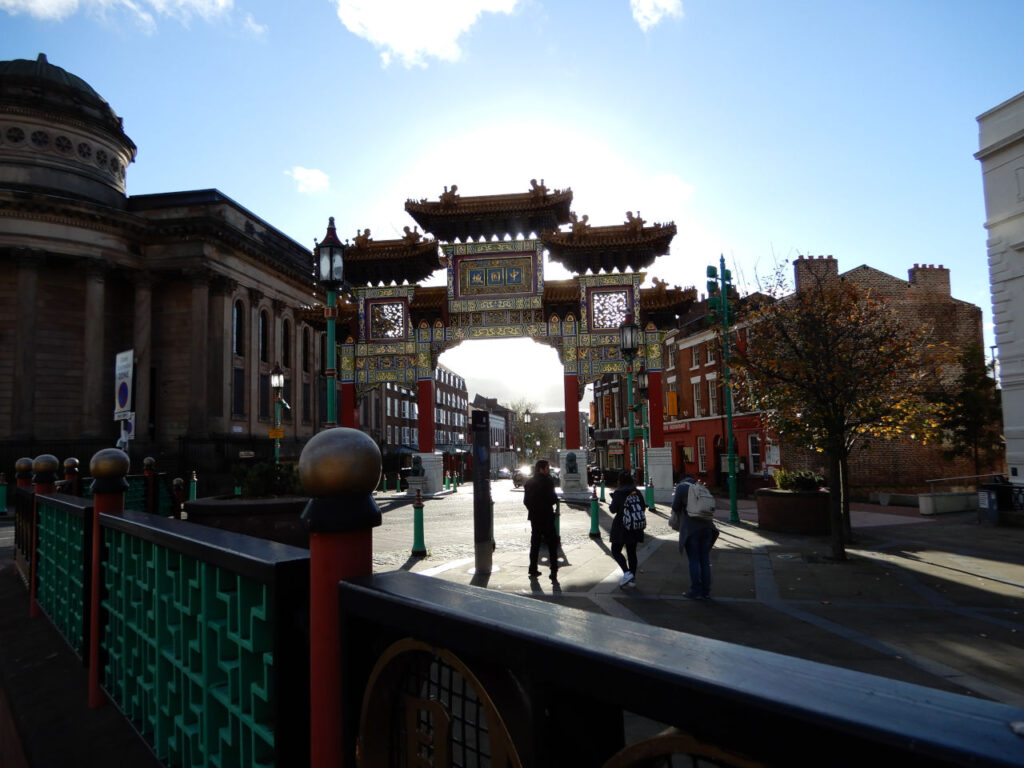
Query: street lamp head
[(629, 338), (526, 417), (277, 378), (642, 381), (330, 255)]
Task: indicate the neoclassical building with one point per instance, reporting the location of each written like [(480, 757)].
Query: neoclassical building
[(206, 295), (1001, 139)]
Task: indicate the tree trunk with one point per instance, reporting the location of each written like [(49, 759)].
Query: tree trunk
[(844, 486), (835, 499)]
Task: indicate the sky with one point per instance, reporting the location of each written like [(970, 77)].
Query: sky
[(764, 130)]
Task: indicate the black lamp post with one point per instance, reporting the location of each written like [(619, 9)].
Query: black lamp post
[(330, 255), (629, 344), (277, 384)]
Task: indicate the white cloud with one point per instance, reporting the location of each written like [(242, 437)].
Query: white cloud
[(414, 31), (647, 13), (144, 10), (310, 180), (254, 27)]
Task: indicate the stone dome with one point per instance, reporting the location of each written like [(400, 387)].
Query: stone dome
[(58, 134)]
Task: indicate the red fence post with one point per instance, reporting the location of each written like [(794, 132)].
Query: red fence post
[(108, 469), (44, 477), (339, 469), (72, 477), (23, 473), (149, 470)]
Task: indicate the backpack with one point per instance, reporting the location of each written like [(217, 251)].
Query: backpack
[(700, 503), (634, 515)]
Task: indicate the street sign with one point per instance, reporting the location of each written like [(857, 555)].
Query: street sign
[(128, 427), (275, 433), (123, 385)]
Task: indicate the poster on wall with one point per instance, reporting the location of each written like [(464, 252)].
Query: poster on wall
[(123, 384)]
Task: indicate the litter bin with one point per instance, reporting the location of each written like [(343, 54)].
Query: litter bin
[(996, 497)]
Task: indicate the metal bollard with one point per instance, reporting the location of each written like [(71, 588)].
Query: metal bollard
[(178, 494), (595, 528), (602, 490), (649, 494), (419, 549), (193, 486), (72, 479)]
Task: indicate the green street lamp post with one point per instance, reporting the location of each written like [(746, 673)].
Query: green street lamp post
[(330, 255), (277, 385), (642, 386), (629, 344), (719, 286)]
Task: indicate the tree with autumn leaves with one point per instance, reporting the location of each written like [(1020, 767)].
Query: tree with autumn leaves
[(831, 366)]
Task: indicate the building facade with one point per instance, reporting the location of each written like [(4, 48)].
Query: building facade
[(1001, 154), (205, 295)]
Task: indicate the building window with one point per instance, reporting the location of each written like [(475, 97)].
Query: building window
[(710, 353), (286, 393), (286, 344), (305, 350), (264, 337), (712, 397), (238, 392), (702, 454), (697, 411), (264, 395), (238, 330), (754, 448), (694, 356)]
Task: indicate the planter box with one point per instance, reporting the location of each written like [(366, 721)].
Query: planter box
[(951, 501), (276, 519), (793, 511)]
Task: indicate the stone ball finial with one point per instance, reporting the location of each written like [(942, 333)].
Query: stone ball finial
[(339, 461), (109, 463), (23, 467), (148, 464), (178, 484), (45, 463), (71, 465)]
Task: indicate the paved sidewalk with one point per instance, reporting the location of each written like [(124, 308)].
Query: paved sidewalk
[(937, 601)]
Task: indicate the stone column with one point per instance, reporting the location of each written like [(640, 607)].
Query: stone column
[(199, 354), (97, 410), (570, 383), (24, 389), (142, 343), (656, 415)]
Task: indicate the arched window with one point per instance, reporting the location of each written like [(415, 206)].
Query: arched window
[(238, 330), (323, 352), (264, 337), (305, 349), (286, 345)]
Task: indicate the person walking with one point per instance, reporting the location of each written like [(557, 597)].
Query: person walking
[(626, 501), (697, 534), (542, 504)]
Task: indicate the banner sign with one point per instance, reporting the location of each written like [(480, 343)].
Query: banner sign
[(123, 385)]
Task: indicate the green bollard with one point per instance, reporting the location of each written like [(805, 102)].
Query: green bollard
[(595, 529), (447, 481), (193, 487), (649, 493), (558, 521), (419, 549), (602, 490)]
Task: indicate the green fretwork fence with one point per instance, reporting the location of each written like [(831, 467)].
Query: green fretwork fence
[(135, 496), (63, 552), (204, 634)]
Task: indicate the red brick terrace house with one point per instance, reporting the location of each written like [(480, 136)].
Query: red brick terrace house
[(695, 423)]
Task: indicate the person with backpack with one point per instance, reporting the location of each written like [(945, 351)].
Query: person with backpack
[(697, 534), (541, 501), (630, 518)]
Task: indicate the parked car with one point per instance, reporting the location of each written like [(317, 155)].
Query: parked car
[(521, 475), (504, 473)]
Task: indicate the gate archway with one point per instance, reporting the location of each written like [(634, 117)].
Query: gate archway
[(492, 250)]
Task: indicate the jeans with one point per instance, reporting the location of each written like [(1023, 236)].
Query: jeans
[(627, 563), (699, 541), (539, 531)]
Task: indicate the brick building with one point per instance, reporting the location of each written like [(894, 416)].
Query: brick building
[(695, 424)]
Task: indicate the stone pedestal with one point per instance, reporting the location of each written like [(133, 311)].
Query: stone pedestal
[(433, 471), (659, 469), (574, 484), (416, 483)]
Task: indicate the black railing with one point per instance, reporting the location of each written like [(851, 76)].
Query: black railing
[(439, 666)]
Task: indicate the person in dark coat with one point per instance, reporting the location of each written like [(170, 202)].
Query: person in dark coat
[(619, 536), (542, 503)]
